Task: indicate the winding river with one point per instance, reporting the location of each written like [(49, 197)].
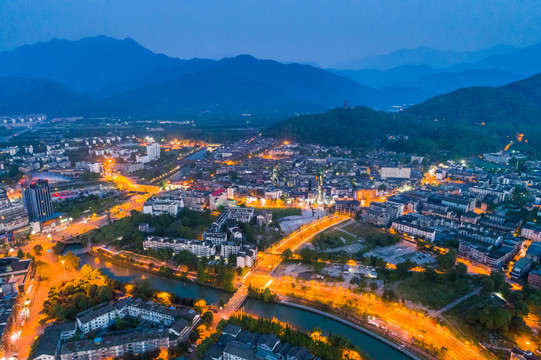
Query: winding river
[(298, 318)]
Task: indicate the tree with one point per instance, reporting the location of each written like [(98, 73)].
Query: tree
[(207, 318), (202, 276), (287, 254), (447, 261), (20, 254), (389, 295), (194, 336), (267, 295), (105, 293), (71, 261), (58, 247), (200, 305), (37, 249), (461, 269)]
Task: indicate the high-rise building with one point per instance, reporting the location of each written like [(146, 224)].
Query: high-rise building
[(37, 199), (12, 216), (153, 151)]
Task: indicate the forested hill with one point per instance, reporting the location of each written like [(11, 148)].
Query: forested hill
[(465, 122)]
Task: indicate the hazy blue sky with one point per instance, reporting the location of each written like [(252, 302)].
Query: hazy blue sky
[(323, 31)]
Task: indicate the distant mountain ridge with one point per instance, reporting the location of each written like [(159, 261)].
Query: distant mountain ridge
[(439, 72), (22, 95), (126, 79), (464, 122), (102, 76), (424, 56)]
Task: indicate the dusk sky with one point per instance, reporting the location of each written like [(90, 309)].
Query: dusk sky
[(326, 32)]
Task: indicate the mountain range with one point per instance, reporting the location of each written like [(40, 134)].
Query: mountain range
[(102, 76), (438, 72), (424, 56), (464, 122)]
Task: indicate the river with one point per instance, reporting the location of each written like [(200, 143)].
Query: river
[(297, 318), (199, 154), (181, 288)]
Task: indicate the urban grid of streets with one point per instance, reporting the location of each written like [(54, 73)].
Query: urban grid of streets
[(403, 324), (402, 320)]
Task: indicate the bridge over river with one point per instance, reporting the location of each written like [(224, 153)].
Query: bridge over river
[(261, 277)]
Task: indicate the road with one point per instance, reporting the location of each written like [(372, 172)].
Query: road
[(134, 202), (402, 323), (260, 277), (27, 323), (33, 300)]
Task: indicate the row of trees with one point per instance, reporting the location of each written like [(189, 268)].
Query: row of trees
[(76, 208), (330, 348), (125, 233)]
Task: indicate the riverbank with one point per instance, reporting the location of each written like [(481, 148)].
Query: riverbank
[(148, 270), (297, 317), (362, 329), (380, 337)]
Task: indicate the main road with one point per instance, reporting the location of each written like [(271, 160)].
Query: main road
[(268, 261), (31, 303)]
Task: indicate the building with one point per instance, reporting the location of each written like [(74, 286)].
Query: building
[(153, 151), (196, 247), (171, 325), (242, 215), (105, 315), (195, 199), (412, 226), (521, 268), (117, 345), (49, 347), (499, 157), (381, 214), (534, 251), (238, 351), (14, 274), (534, 277), (395, 173), (238, 344), (347, 206), (12, 216), (37, 199), (531, 231), (247, 256), (217, 198), (160, 206), (519, 354), (229, 248), (214, 235)]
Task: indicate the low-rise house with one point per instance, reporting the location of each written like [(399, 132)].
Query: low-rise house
[(247, 256)]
